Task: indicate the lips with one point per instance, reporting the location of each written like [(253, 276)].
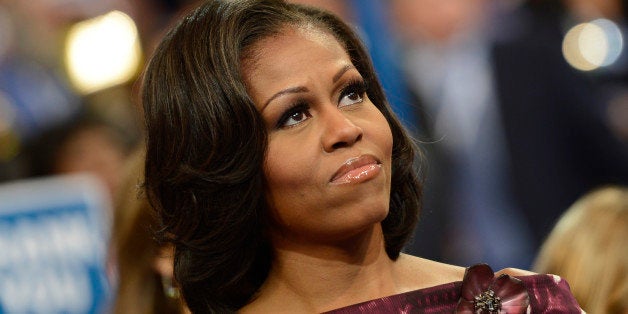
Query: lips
[(357, 169)]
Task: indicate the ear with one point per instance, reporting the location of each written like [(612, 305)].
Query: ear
[(163, 263)]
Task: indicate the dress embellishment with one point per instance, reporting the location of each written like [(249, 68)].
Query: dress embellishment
[(487, 301), (482, 293)]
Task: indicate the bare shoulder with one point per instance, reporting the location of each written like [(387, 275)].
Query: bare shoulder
[(515, 272), (253, 307), (268, 307), (423, 273), (259, 304)]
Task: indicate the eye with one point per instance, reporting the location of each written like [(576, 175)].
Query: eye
[(294, 115), (352, 93)]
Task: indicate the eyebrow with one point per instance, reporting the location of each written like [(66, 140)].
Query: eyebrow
[(342, 71), (303, 89), (291, 90)]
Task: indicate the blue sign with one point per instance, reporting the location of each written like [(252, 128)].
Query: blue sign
[(53, 243)]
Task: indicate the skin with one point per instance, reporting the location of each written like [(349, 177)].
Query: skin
[(91, 150), (436, 20), (586, 10), (328, 241), (304, 155)]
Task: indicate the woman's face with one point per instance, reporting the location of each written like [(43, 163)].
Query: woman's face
[(328, 163)]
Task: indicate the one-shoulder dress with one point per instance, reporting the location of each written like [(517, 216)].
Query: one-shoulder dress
[(479, 292)]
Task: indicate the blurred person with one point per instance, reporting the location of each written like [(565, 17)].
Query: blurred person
[(588, 247), (31, 60), (86, 144), (587, 10), (143, 267), (152, 17), (556, 18), (33, 94), (513, 133), (285, 181)]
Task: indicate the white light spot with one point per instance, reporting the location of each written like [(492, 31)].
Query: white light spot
[(614, 40), (102, 52), (593, 44), (588, 46)]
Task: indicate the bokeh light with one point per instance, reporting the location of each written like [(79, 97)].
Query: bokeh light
[(102, 52), (589, 46)]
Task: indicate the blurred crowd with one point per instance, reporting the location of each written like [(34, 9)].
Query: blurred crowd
[(513, 131)]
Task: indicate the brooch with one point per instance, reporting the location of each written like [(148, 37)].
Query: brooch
[(482, 293)]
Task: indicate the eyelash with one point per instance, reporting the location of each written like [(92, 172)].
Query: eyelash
[(299, 106), (355, 86)]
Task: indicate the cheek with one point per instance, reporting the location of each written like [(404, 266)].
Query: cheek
[(387, 138), (286, 165), (382, 134), (288, 182)]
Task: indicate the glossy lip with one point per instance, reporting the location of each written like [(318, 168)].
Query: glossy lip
[(357, 169)]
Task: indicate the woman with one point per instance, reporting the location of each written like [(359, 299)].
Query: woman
[(588, 247), (281, 175)]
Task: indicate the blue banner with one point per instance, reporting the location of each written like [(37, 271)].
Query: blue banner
[(53, 244)]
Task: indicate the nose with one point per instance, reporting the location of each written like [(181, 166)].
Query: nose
[(339, 132)]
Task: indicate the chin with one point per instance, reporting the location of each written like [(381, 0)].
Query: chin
[(375, 212)]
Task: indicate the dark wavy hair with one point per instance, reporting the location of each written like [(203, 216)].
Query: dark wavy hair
[(206, 145)]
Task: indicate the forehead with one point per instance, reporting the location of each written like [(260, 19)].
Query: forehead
[(293, 51)]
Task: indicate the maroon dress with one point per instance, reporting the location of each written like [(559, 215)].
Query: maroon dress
[(536, 294)]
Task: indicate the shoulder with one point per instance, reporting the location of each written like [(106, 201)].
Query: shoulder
[(417, 273), (515, 272), (272, 306)]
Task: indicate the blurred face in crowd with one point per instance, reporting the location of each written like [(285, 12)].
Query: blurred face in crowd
[(328, 162), (591, 9), (435, 20), (92, 150)]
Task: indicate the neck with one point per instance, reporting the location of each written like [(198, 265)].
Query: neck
[(322, 277)]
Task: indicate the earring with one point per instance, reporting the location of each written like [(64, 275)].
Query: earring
[(169, 288)]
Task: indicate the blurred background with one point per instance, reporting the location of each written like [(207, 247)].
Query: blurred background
[(520, 107)]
